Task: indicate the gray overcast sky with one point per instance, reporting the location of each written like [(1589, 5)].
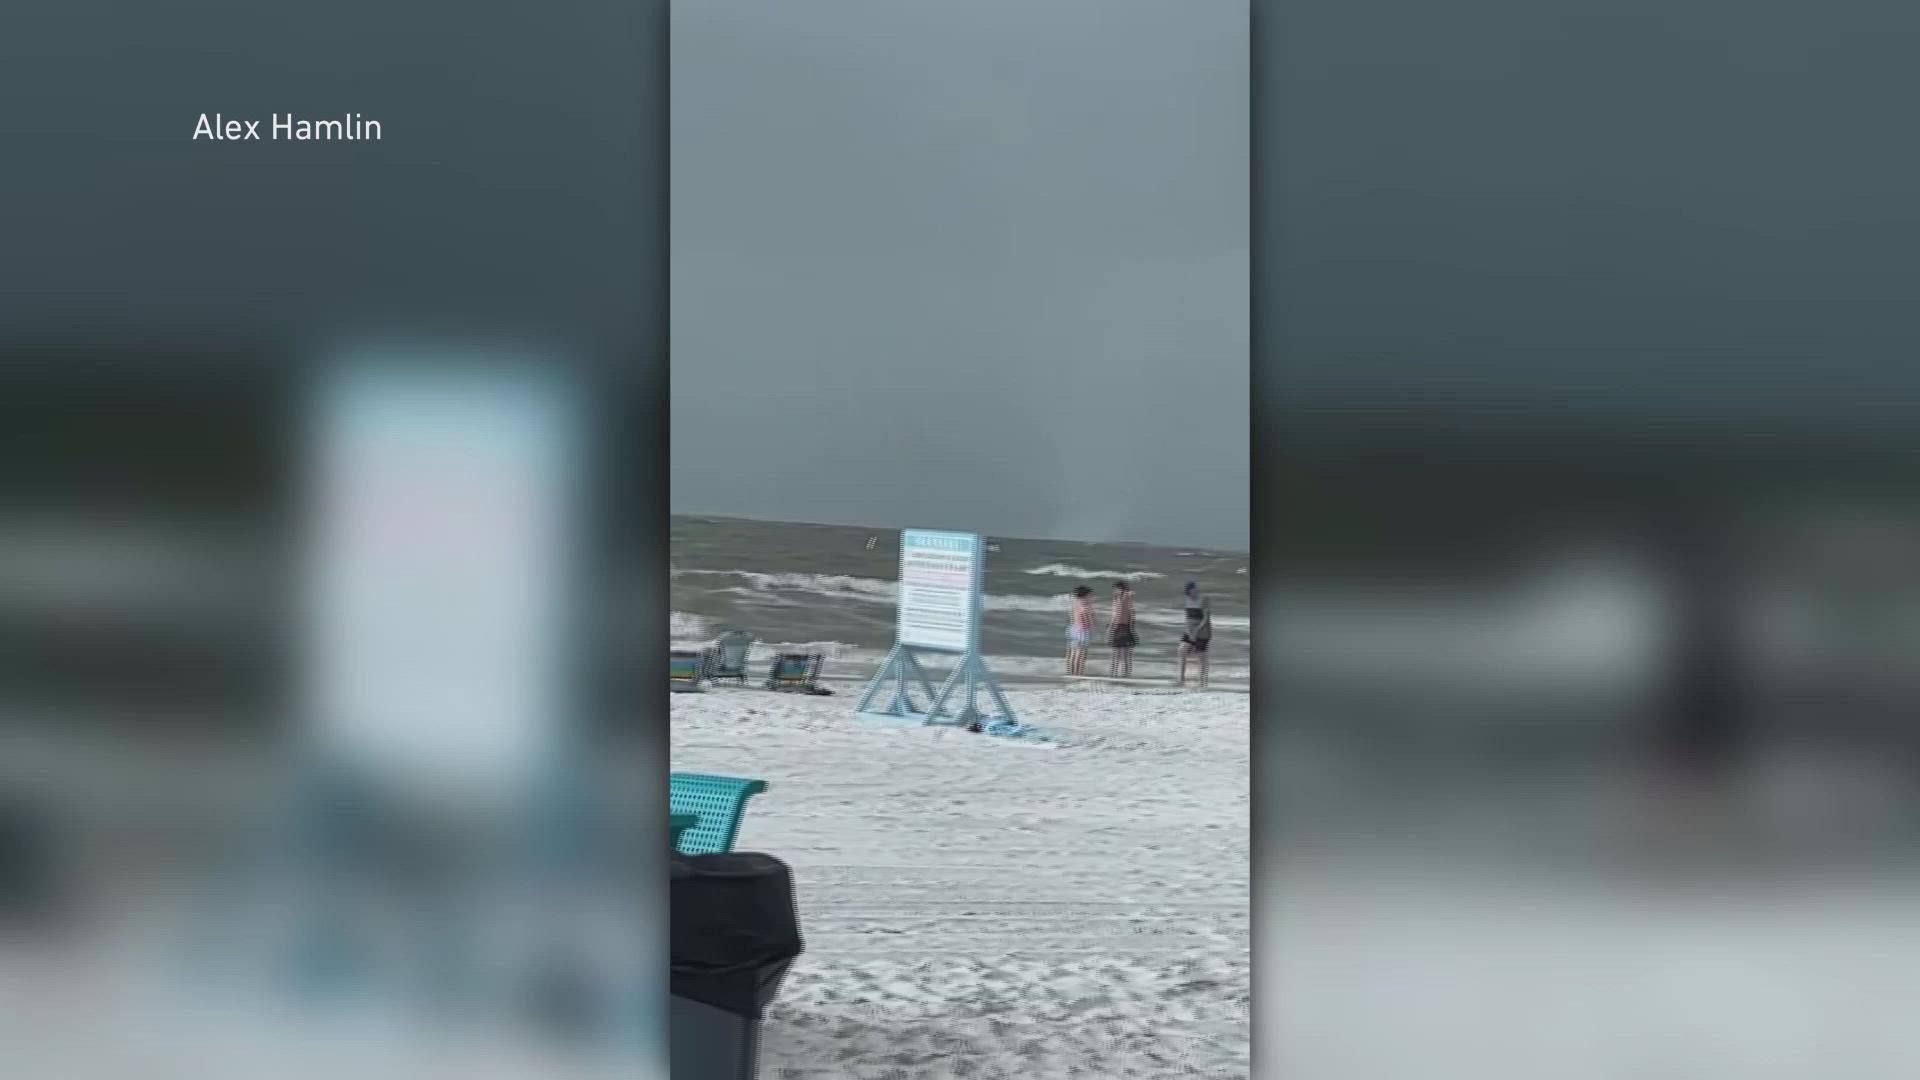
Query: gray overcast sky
[(976, 264), (1503, 209), (515, 185)]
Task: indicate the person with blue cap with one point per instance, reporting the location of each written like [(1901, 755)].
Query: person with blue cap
[(1199, 635)]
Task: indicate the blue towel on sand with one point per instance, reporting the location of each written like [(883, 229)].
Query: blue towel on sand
[(1013, 729)]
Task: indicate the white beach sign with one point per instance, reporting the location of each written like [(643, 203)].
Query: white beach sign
[(939, 590)]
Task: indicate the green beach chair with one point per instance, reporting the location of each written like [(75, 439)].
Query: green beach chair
[(719, 802), (686, 670), (797, 673)]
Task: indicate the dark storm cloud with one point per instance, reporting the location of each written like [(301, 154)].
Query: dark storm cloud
[(975, 264)]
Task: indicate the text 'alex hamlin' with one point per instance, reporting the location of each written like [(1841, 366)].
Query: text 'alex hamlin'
[(350, 127)]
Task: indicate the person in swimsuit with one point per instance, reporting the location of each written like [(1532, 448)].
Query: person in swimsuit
[(1079, 630), (1120, 636), (1199, 635)]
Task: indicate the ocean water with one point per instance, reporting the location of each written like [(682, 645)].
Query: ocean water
[(833, 586)]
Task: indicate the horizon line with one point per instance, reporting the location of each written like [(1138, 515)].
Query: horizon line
[(1209, 549)]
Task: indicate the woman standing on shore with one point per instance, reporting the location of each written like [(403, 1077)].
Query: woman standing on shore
[(1199, 635), (1079, 630), (1120, 636)]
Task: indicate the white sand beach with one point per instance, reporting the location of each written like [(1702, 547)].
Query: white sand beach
[(986, 907)]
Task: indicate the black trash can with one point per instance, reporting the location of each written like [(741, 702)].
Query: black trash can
[(735, 933)]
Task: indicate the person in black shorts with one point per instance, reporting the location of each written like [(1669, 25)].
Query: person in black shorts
[(1120, 636), (1199, 635)]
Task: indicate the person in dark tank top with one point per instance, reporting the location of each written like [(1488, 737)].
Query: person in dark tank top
[(1199, 633), (1120, 636)]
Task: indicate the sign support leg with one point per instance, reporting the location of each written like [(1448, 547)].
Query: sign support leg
[(920, 674), (893, 669), (969, 678), (939, 710), (899, 673)]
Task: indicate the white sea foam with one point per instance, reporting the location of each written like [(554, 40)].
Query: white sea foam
[(1146, 615), (851, 664), (690, 631), (835, 586), (1046, 605), (686, 626), (834, 652), (1151, 662), (1154, 660), (865, 590), (762, 587), (1070, 571), (761, 597)]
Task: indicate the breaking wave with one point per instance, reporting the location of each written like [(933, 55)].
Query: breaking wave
[(1067, 570)]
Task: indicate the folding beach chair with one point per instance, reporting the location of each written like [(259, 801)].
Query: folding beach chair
[(727, 657), (686, 668), (797, 673), (717, 801)]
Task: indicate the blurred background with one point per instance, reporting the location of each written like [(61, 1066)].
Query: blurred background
[(164, 305), (1587, 520)]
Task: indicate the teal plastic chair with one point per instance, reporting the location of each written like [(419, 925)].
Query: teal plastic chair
[(679, 823), (718, 800)]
